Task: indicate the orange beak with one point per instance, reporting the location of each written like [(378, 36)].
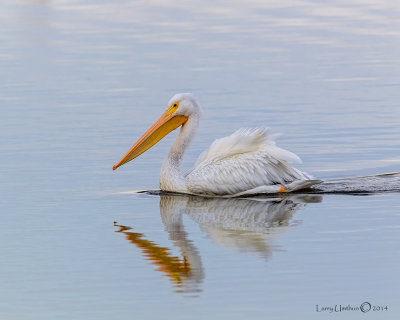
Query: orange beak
[(167, 123)]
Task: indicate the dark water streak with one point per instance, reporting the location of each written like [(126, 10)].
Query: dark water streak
[(386, 182)]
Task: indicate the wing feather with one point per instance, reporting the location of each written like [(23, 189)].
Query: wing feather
[(247, 140), (245, 160)]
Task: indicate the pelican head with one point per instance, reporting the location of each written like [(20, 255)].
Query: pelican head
[(180, 108), (185, 104)]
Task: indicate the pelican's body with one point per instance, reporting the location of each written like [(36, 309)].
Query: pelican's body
[(246, 162)]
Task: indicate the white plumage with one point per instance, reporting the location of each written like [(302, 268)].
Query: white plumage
[(246, 162)]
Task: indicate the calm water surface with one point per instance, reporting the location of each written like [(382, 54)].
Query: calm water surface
[(81, 80)]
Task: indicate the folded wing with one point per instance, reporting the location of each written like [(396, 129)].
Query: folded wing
[(247, 159)]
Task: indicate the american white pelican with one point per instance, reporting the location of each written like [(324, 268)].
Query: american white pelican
[(246, 162)]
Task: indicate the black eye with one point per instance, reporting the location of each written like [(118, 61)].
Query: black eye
[(175, 105)]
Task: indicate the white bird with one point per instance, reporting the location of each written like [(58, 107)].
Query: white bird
[(246, 162)]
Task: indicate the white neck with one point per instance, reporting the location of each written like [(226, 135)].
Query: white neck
[(171, 177)]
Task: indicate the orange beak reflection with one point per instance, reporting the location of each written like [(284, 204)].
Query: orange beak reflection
[(163, 126)]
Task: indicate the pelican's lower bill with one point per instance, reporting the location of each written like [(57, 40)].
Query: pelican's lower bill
[(243, 163)]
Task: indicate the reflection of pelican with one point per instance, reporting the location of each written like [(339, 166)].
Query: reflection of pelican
[(246, 162), (244, 224)]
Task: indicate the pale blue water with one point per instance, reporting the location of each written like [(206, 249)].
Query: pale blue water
[(81, 80)]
